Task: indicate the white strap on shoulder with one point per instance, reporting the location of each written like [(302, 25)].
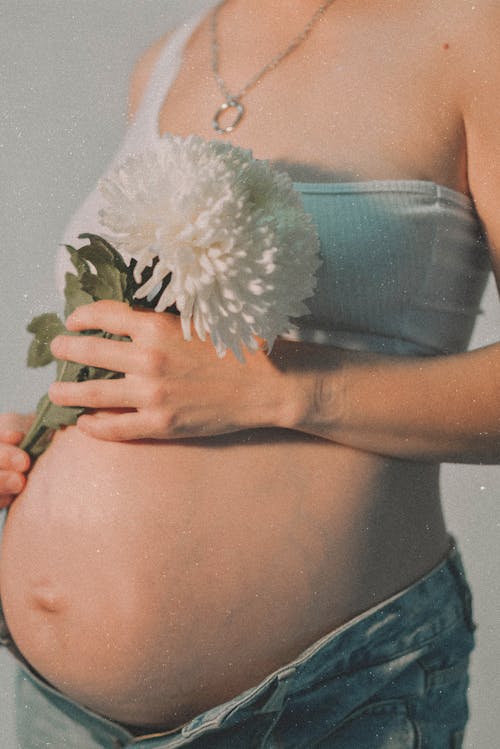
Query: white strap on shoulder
[(144, 128)]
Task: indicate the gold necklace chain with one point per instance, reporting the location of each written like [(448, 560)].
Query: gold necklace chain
[(233, 101)]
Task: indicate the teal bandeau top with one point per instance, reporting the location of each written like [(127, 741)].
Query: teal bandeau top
[(404, 261), (405, 264)]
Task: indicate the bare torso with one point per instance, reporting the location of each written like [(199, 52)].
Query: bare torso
[(152, 580)]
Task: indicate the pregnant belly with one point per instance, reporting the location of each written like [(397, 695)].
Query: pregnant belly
[(150, 581)]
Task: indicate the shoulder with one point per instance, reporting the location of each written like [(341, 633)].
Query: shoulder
[(470, 27), (477, 74), (141, 73), (475, 29)]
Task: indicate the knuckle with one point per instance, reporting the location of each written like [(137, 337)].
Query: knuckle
[(101, 430), (93, 389), (89, 345), (155, 323), (164, 421), (154, 362), (157, 394)]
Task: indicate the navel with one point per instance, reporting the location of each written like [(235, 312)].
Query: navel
[(43, 597)]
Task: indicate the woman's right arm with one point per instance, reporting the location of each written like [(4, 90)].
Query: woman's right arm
[(14, 462)]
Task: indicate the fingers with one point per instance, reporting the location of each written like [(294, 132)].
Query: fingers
[(11, 483), (13, 463), (151, 330), (11, 436), (118, 356), (120, 319), (15, 423), (116, 427), (96, 394), (114, 317), (12, 457)]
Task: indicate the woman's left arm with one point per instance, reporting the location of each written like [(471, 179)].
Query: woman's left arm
[(444, 408)]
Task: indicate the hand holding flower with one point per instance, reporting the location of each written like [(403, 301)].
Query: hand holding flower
[(172, 388), (209, 233)]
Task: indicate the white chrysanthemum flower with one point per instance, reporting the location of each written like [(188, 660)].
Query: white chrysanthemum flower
[(233, 234)]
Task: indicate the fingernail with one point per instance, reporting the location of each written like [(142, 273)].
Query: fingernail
[(14, 484)]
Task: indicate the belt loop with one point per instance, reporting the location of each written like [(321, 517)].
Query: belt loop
[(280, 692), (458, 572)]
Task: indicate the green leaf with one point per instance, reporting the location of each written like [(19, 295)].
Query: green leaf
[(102, 246), (48, 417), (101, 273), (74, 294), (58, 416), (45, 328), (69, 371), (80, 265), (96, 373), (102, 286), (108, 263), (110, 277)]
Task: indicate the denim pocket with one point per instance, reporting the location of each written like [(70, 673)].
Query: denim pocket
[(442, 711), (377, 725)]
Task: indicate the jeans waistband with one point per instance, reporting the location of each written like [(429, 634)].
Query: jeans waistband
[(405, 622)]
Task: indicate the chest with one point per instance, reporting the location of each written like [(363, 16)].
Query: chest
[(366, 97)]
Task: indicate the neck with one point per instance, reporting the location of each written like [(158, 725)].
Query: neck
[(282, 14)]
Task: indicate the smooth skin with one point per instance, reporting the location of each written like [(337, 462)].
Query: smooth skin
[(442, 409), (447, 408), (176, 389), (288, 532)]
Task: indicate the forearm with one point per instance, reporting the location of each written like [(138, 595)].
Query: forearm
[(444, 408)]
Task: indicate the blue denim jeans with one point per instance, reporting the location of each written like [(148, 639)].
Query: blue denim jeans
[(394, 676)]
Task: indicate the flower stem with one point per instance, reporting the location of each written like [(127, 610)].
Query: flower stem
[(31, 441), (36, 440)]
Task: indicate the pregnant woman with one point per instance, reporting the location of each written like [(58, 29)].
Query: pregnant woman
[(254, 555)]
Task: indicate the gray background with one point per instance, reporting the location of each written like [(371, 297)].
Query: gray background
[(64, 67)]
